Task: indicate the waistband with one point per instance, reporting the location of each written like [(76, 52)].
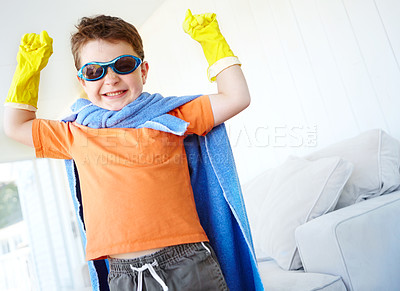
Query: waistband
[(167, 255)]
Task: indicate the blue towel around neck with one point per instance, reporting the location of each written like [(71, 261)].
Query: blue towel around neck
[(214, 180)]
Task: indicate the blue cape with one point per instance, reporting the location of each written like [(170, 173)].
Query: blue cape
[(214, 180)]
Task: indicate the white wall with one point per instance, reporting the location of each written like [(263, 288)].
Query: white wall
[(318, 70)]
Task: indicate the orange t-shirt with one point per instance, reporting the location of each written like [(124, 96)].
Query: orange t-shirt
[(135, 183)]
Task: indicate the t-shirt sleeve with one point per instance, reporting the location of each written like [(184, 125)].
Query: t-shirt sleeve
[(198, 113), (52, 139)]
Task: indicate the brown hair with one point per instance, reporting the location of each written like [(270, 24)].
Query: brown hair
[(107, 28)]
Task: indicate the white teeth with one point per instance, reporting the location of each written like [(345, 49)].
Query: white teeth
[(114, 93)]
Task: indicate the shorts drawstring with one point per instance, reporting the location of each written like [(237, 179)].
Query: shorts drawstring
[(204, 246), (152, 272)]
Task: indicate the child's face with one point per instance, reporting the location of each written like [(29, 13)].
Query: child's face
[(113, 91)]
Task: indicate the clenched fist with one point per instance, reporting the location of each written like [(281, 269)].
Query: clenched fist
[(204, 28), (33, 55)]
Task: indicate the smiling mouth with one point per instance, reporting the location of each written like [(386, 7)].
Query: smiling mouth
[(113, 94)]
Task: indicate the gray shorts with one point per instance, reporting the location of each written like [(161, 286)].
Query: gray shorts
[(176, 268)]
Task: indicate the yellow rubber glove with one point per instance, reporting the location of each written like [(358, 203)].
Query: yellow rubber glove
[(204, 29), (33, 55)]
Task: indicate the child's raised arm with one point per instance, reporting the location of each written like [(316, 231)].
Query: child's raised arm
[(21, 103), (233, 94)]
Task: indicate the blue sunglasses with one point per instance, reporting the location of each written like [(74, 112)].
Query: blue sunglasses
[(122, 65)]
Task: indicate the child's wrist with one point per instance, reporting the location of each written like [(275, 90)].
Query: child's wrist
[(20, 106), (221, 65), (24, 91)]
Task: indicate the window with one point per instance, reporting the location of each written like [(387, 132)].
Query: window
[(40, 246), (10, 207)]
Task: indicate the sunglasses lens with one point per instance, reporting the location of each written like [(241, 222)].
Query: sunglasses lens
[(125, 65), (92, 71)]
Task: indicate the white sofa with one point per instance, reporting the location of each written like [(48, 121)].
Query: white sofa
[(330, 220)]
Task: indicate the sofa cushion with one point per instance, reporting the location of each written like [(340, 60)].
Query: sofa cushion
[(281, 199), (359, 243), (275, 278), (376, 159)]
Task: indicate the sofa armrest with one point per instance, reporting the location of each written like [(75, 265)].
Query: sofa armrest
[(360, 243)]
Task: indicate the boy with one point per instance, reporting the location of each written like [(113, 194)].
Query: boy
[(153, 235)]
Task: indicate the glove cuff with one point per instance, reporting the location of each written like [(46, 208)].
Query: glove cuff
[(221, 65), (21, 106)]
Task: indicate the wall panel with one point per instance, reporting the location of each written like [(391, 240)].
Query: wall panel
[(318, 71)]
